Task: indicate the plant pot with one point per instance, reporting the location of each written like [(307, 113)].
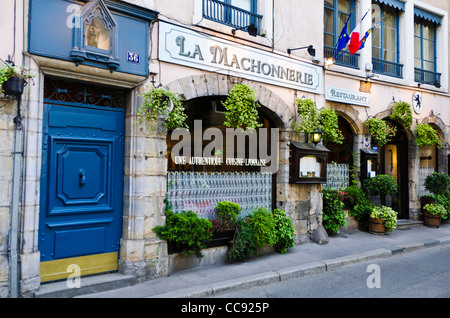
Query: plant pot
[(222, 238), (376, 226), (430, 220), (13, 86)]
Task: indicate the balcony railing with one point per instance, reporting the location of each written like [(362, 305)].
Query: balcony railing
[(427, 77), (232, 16), (345, 59), (387, 68)]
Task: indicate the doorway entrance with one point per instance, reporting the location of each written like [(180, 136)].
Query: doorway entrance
[(394, 163), (80, 220)]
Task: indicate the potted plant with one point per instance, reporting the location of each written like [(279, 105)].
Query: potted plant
[(432, 214), (225, 224), (163, 104), (382, 219), (379, 130), (437, 183), (426, 135), (241, 108), (13, 79), (401, 111), (333, 211), (312, 120)]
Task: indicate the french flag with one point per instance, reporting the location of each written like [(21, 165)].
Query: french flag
[(355, 37)]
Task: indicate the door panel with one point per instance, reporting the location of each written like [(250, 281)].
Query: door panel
[(81, 188)]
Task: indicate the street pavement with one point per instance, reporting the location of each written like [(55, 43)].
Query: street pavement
[(302, 260)]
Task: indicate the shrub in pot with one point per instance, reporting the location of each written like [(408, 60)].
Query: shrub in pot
[(433, 214), (227, 214), (13, 79), (382, 219)]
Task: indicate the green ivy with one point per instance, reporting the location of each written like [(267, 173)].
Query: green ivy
[(186, 230), (379, 130), (241, 108), (402, 112), (312, 120), (156, 103), (426, 135), (333, 213), (386, 214)]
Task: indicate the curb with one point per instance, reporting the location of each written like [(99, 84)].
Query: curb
[(296, 271)]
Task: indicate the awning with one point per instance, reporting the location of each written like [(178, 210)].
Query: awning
[(393, 3), (428, 16)]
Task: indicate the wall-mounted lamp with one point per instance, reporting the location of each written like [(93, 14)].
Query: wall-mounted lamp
[(251, 29), (310, 48), (329, 61), (316, 137)]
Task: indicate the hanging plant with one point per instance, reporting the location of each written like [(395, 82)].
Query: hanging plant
[(13, 79), (241, 108), (312, 120), (426, 135), (402, 112), (160, 103), (379, 130)]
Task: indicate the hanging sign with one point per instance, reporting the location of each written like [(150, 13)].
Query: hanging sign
[(347, 97), (185, 47)]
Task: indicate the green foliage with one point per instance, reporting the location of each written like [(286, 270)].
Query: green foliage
[(264, 226), (381, 184), (186, 230), (312, 120), (435, 209), (156, 103), (360, 206), (330, 127), (444, 200), (309, 116), (437, 183), (402, 112), (259, 229), (241, 108), (333, 213), (227, 213), (426, 135), (379, 130), (284, 231), (244, 243), (387, 214), (8, 71)]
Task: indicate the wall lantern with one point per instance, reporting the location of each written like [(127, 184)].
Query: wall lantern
[(316, 137), (311, 50), (307, 163), (251, 29)]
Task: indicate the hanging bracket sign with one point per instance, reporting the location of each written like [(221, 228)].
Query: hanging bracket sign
[(186, 47)]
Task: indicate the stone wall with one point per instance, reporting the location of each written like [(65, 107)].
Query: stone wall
[(8, 110)]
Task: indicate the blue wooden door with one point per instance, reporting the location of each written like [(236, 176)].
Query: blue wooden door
[(81, 190)]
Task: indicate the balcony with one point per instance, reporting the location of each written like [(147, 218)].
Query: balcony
[(427, 77), (345, 59), (232, 16), (387, 68)]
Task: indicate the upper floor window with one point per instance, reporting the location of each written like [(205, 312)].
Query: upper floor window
[(425, 29), (336, 13), (385, 41), (238, 14)]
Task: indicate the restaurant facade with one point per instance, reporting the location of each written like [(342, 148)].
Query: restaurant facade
[(88, 182)]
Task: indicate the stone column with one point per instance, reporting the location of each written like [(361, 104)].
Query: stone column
[(142, 254), (413, 176)]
